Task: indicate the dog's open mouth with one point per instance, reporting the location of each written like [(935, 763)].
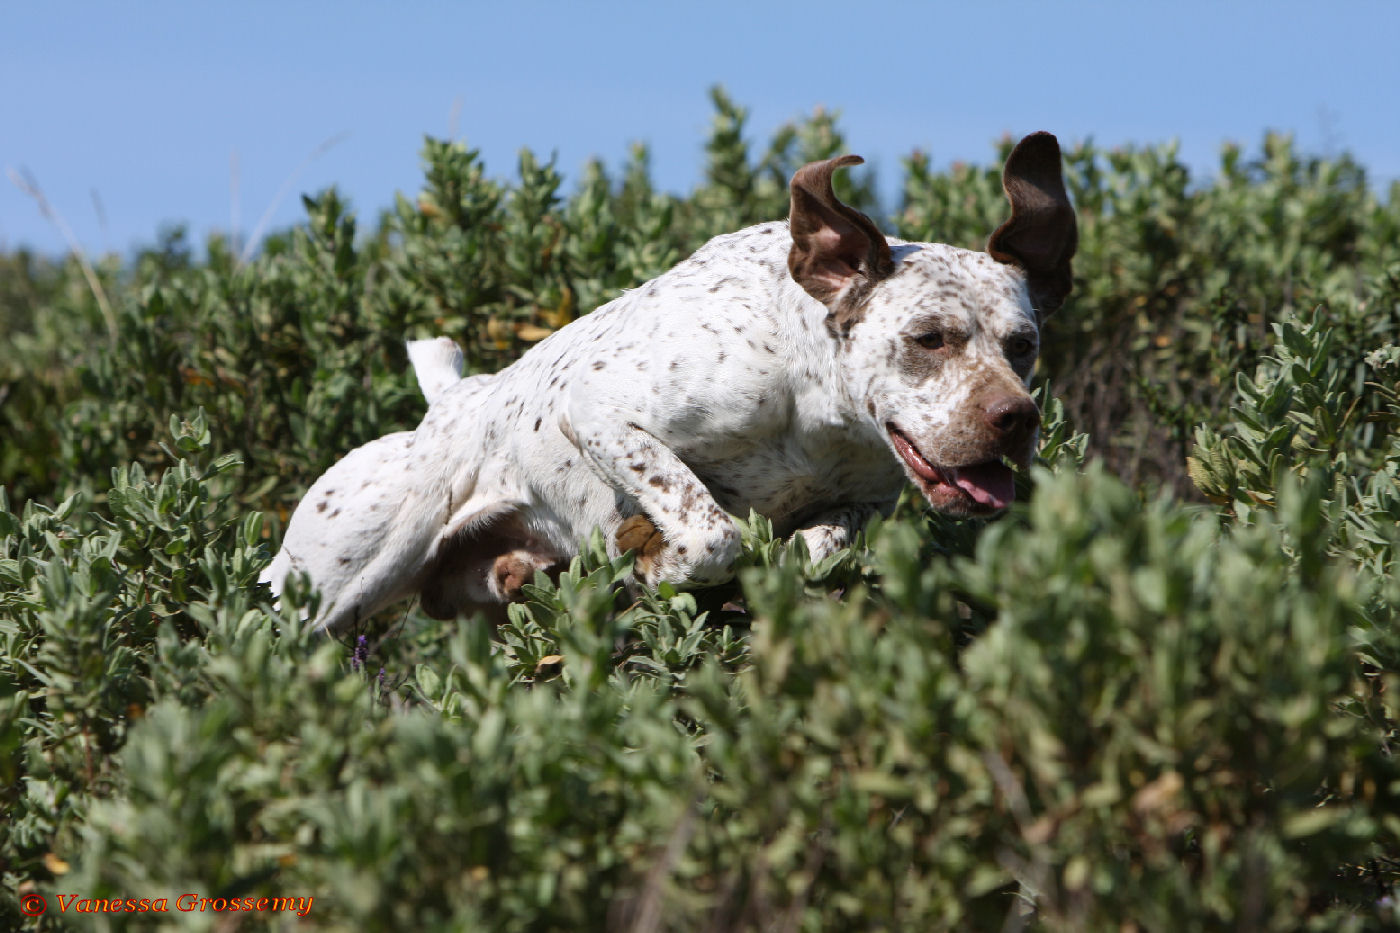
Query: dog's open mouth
[(973, 489)]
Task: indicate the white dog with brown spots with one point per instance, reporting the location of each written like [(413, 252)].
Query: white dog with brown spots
[(805, 370)]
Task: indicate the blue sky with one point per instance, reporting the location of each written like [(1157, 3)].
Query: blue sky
[(129, 115)]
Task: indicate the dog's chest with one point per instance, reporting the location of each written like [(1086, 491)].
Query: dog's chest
[(796, 474)]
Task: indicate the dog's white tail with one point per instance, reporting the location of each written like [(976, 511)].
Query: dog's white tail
[(437, 363)]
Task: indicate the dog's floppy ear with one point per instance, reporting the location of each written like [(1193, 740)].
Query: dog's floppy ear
[(1041, 235), (837, 252)]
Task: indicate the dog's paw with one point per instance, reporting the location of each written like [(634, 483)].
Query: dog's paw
[(511, 572), (824, 540), (694, 559)]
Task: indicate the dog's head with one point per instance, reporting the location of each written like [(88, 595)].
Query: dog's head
[(938, 343)]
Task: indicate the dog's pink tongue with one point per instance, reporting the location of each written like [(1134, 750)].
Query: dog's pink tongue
[(989, 483)]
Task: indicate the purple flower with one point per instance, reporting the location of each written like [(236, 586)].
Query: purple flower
[(361, 653)]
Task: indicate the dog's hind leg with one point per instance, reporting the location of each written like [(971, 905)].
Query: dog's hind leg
[(368, 529), (342, 523)]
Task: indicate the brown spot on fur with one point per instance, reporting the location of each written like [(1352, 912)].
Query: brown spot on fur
[(639, 535)]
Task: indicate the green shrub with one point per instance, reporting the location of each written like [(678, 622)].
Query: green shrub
[(1115, 707)]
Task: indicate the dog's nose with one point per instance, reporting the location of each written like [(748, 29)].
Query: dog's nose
[(1014, 418)]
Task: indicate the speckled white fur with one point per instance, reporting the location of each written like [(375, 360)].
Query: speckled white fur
[(716, 388)]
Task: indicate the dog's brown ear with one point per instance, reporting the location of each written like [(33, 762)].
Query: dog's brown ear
[(837, 252), (1041, 235)]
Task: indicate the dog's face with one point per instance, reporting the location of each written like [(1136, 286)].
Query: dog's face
[(938, 343), (940, 361)]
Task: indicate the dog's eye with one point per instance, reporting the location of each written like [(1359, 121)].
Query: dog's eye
[(1020, 346), (933, 340)]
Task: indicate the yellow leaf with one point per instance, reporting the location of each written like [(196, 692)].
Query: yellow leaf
[(1157, 794), (531, 332), (55, 864), (498, 332), (1076, 872), (1311, 822), (564, 312)]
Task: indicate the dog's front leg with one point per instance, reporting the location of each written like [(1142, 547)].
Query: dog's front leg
[(698, 542), (835, 529)]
